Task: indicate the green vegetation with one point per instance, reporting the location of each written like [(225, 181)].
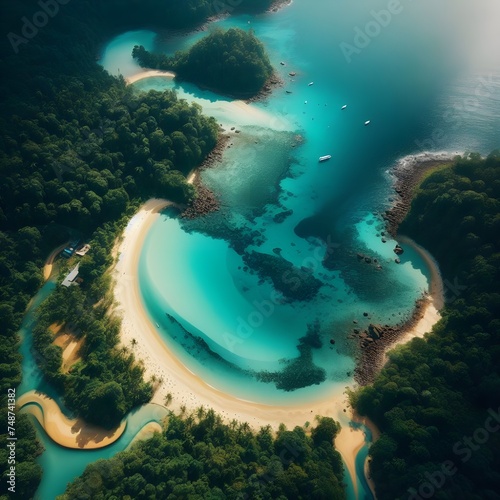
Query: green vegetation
[(73, 157), (105, 383), (20, 278), (434, 394), (80, 166), (233, 62), (200, 457), (172, 13), (78, 150)]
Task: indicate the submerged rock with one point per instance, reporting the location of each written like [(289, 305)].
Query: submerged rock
[(398, 250), (375, 331)]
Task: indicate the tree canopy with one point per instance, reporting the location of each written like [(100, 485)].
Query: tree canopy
[(232, 62), (198, 456), (436, 392)]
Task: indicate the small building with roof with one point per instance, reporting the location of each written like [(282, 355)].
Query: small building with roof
[(71, 277)]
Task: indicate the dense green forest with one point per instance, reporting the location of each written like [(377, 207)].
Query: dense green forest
[(232, 62), (78, 150), (437, 401), (177, 14), (197, 456)]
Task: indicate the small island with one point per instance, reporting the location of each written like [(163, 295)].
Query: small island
[(232, 62)]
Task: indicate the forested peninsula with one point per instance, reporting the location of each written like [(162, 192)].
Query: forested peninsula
[(232, 62), (437, 401)]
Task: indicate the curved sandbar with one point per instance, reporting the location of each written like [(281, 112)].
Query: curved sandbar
[(145, 433), (435, 300), (235, 113), (70, 433), (149, 74)]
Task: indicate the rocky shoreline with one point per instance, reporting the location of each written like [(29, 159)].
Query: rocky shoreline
[(272, 83), (377, 339), (408, 175), (279, 4), (206, 201)]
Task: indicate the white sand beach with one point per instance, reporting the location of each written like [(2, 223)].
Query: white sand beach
[(149, 74), (186, 388), (229, 113), (190, 391), (435, 300)]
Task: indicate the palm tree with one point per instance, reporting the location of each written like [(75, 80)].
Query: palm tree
[(133, 342), (168, 398), (189, 421), (200, 412)]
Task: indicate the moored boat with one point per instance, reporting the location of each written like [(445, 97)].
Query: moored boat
[(324, 158)]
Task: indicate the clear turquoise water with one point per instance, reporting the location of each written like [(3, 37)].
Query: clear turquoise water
[(190, 270), (429, 81)]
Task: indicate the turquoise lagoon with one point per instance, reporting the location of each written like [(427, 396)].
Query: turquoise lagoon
[(413, 81), (429, 81)]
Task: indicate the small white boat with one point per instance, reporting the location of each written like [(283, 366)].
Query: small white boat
[(157, 325), (324, 158), (312, 83), (344, 106), (367, 122), (282, 63)]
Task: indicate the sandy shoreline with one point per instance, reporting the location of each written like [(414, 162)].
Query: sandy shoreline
[(187, 389), (49, 263), (70, 433), (234, 113), (425, 316), (149, 74)]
